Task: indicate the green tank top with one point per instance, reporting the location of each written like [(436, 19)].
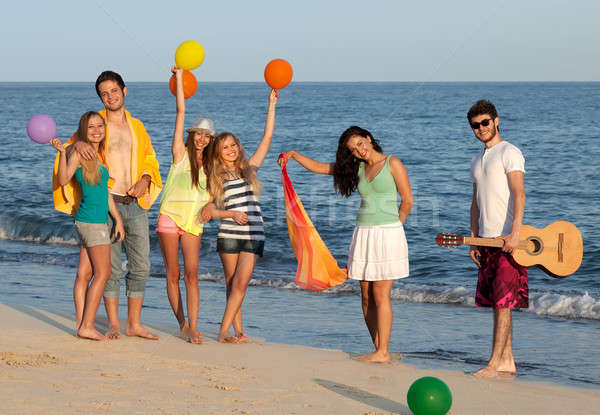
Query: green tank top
[(180, 200), (379, 197), (94, 198)]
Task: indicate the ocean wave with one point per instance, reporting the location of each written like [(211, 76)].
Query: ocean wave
[(558, 305), (31, 228), (572, 304), (540, 303)]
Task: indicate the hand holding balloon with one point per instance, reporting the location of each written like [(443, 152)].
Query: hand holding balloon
[(190, 84), (273, 96), (58, 145)]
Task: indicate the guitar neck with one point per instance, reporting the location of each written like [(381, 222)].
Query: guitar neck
[(491, 242)]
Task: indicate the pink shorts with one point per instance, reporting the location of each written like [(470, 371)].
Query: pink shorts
[(168, 225), (502, 282)]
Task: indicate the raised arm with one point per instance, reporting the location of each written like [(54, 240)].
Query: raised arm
[(308, 163), (400, 176), (178, 145), (263, 147), (66, 166)]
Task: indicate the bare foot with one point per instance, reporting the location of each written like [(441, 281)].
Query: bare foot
[(91, 334), (228, 338), (487, 372), (113, 333), (194, 336), (242, 337), (139, 331), (507, 375), (507, 367), (185, 332), (375, 357)]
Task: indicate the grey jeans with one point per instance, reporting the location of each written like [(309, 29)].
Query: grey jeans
[(137, 251)]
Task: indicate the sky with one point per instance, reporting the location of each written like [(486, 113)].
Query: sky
[(420, 41)]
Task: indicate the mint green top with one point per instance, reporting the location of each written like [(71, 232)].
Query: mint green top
[(180, 200), (379, 204), (94, 198)]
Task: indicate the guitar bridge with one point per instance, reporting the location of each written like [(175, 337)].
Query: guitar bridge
[(561, 241)]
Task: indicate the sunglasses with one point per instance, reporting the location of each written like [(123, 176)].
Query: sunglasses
[(476, 125)]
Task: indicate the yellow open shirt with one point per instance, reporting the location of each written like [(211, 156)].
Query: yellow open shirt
[(143, 161)]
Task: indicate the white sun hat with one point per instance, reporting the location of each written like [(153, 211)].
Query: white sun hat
[(203, 124)]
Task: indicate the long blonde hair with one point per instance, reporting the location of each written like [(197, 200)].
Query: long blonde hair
[(90, 169), (217, 173)]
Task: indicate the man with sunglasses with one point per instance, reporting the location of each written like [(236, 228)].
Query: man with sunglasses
[(497, 212)]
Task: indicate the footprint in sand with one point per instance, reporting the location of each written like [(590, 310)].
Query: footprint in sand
[(110, 375), (33, 359)]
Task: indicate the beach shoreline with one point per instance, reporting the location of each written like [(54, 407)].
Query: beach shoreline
[(45, 369)]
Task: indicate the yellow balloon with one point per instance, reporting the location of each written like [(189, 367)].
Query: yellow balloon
[(189, 55)]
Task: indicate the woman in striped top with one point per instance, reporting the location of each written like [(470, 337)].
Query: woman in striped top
[(234, 187)]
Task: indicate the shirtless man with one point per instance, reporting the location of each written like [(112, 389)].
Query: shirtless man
[(136, 184), (497, 212)]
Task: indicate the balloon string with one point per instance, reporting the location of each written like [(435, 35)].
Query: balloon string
[(450, 56), (130, 35)]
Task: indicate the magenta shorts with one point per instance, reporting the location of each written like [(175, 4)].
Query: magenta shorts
[(168, 225), (502, 282)]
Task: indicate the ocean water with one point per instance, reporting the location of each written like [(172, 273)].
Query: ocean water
[(435, 322)]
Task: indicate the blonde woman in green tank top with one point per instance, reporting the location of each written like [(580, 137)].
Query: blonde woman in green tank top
[(184, 195), (91, 220), (378, 252)]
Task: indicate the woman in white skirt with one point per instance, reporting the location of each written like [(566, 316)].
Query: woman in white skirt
[(378, 251)]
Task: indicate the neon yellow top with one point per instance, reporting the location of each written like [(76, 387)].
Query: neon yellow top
[(180, 200)]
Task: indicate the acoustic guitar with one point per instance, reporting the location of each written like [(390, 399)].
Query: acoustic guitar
[(557, 249)]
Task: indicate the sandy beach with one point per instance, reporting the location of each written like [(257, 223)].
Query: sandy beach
[(45, 369)]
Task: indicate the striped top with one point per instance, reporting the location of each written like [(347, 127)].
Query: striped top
[(238, 195)]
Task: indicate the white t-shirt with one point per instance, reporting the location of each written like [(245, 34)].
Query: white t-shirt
[(489, 171)]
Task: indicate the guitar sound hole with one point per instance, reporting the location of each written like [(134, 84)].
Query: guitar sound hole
[(538, 246)]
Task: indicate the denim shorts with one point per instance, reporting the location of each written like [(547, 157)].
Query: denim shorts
[(235, 246), (93, 234)]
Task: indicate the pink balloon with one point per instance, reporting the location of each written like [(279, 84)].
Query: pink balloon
[(41, 128)]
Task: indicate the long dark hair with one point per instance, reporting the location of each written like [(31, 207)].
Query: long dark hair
[(191, 150), (345, 169)]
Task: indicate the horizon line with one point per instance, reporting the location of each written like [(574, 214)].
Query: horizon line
[(329, 82)]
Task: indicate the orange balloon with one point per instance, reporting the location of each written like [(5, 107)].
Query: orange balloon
[(278, 73), (189, 84)]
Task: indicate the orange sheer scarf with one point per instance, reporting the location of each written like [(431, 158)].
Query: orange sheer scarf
[(317, 268)]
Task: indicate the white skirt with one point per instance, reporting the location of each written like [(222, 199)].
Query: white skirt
[(378, 253)]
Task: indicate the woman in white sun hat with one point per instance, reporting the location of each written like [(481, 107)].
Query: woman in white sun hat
[(183, 196)]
